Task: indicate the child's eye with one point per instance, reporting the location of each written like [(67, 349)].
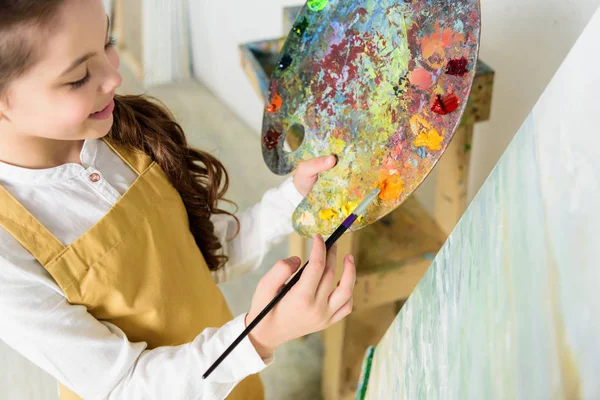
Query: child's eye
[(81, 82), (111, 43), (75, 85)]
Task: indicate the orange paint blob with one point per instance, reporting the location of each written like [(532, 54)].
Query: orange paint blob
[(275, 103), (437, 41), (391, 187), (420, 78)]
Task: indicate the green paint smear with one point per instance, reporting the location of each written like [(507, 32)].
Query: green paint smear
[(365, 374), (317, 5)]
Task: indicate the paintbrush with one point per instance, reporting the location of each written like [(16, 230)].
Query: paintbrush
[(360, 209)]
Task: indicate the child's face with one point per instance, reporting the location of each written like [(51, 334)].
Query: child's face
[(56, 97)]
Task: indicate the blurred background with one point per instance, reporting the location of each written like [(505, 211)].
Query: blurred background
[(523, 41)]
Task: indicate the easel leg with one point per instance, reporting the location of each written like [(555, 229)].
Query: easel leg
[(451, 186), (297, 246), (333, 337), (332, 363)]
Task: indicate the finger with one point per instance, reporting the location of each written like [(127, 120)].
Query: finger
[(328, 280), (276, 277), (343, 292), (342, 312), (312, 167), (316, 266)]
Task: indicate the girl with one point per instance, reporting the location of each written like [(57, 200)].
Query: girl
[(110, 231)]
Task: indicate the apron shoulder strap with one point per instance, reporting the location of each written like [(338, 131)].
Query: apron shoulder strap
[(34, 236), (27, 230), (137, 160)]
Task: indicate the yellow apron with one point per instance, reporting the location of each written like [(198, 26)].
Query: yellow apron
[(138, 267)]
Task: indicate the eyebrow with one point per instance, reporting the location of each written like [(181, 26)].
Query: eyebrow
[(86, 57)]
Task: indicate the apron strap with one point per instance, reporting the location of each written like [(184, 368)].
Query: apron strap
[(27, 230), (34, 236), (137, 160)]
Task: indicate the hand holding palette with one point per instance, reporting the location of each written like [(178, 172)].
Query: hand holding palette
[(382, 84)]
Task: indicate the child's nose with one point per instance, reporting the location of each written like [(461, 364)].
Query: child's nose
[(112, 81)]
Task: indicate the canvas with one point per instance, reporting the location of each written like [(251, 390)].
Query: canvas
[(510, 307)]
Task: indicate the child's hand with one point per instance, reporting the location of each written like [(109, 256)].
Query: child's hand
[(313, 304), (307, 172)]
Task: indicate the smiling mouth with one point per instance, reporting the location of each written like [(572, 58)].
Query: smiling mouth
[(103, 108), (105, 113)]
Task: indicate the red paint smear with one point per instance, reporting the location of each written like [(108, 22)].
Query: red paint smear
[(457, 66), (341, 61), (271, 139), (275, 103), (445, 105), (394, 116)]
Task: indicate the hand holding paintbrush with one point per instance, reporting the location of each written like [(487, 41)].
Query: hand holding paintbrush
[(311, 304)]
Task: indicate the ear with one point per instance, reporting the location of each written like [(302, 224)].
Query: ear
[(4, 107)]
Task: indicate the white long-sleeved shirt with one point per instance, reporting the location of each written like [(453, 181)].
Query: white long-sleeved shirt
[(95, 358)]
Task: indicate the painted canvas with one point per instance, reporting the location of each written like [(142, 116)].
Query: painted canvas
[(510, 307), (382, 84)]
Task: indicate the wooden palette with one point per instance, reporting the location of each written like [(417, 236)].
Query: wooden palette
[(382, 85)]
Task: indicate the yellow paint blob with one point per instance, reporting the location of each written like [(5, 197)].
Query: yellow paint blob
[(336, 145), (431, 139), (418, 125), (328, 215), (349, 207)]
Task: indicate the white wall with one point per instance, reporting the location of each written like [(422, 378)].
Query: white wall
[(108, 6), (523, 40), (218, 27)]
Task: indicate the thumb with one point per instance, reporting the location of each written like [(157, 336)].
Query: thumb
[(275, 279), (312, 167)]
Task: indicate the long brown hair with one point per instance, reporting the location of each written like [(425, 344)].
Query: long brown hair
[(140, 122)]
